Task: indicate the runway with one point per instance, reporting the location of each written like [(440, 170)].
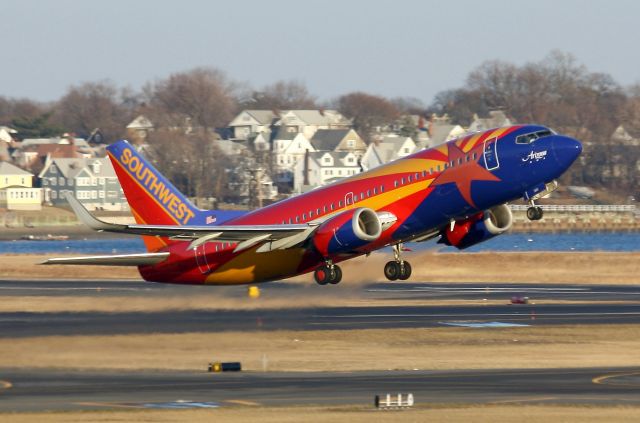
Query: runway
[(580, 304), (376, 290), (51, 390)]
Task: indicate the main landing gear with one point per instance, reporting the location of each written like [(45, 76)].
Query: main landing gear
[(398, 268), (328, 273), (534, 212)]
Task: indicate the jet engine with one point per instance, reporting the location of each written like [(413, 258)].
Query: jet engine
[(477, 228), (350, 229)]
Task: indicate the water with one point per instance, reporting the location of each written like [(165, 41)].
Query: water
[(509, 242), (605, 241), (128, 245)]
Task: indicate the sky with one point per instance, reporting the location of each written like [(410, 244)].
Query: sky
[(400, 48)]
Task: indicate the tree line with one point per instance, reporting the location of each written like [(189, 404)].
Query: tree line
[(556, 91)]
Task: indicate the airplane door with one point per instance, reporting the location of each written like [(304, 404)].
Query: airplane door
[(348, 199), (201, 258), (491, 161)]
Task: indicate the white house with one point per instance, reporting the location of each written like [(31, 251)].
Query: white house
[(139, 128), (323, 167), (288, 149), (441, 131), (250, 122), (309, 121), (496, 119), (387, 149)]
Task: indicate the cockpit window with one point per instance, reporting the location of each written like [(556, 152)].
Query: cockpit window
[(529, 138)]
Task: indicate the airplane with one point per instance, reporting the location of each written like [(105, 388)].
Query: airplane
[(457, 192)]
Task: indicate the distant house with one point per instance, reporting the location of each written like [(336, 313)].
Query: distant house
[(32, 153), (323, 167), (7, 134), (139, 128), (339, 140), (308, 122), (288, 149), (16, 189), (252, 122), (625, 136), (496, 119), (387, 149), (92, 181), (441, 130)]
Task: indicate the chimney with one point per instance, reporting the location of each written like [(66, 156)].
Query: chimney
[(306, 168)]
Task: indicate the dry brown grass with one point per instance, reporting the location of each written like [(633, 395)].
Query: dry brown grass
[(592, 267), (373, 349), (354, 414)]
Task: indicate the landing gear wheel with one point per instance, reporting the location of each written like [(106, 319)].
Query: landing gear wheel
[(534, 213), (392, 270), (337, 275), (322, 275), (328, 274), (405, 271)]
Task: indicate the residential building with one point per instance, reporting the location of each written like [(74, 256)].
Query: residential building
[(92, 181), (496, 119), (288, 149), (251, 122), (7, 134), (309, 121), (441, 130), (339, 140), (387, 149), (324, 167), (625, 135), (139, 128), (16, 189)]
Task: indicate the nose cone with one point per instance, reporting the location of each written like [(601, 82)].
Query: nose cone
[(566, 150)]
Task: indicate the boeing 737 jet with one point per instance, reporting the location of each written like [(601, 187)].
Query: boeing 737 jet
[(457, 192)]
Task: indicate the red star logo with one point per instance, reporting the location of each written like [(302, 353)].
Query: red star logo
[(464, 170)]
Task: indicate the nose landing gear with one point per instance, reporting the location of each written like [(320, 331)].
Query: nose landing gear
[(534, 212), (398, 268)]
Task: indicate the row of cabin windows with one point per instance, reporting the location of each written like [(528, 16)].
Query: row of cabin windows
[(332, 206), (366, 194)]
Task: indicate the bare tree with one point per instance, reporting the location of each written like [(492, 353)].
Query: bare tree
[(201, 97), (283, 95), (191, 161), (93, 105), (367, 111)]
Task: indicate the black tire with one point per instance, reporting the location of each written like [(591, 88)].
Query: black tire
[(531, 213), (337, 275), (392, 270), (322, 275), (405, 271), (539, 213)]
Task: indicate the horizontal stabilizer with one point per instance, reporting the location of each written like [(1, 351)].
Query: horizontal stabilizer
[(113, 260)]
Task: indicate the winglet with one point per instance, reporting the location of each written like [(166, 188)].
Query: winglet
[(88, 219)]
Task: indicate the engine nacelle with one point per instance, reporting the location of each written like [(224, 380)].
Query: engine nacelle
[(479, 227), (347, 231)]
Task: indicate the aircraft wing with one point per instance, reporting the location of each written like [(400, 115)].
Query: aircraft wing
[(276, 236), (113, 260)]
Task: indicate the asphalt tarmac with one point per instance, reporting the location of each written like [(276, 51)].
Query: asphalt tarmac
[(57, 390), (594, 305), (32, 390), (377, 290)]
